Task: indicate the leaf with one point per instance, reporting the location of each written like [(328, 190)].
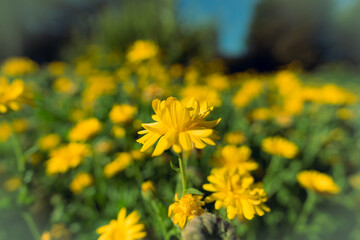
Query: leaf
[(173, 167), (194, 191)]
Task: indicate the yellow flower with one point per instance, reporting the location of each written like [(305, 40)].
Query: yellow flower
[(185, 209), (80, 181), (20, 125), (11, 94), (178, 127), (18, 66), (122, 161), (5, 131), (118, 132), (124, 227), (147, 186), (104, 146), (287, 83), (64, 85), (65, 157), (345, 113), (329, 94), (249, 90), (12, 184), (261, 114), (98, 85), (48, 142), (56, 68), (218, 81), (279, 146), (59, 231), (85, 129), (142, 50), (203, 94), (122, 113), (318, 182), (45, 236), (237, 192), (233, 157), (234, 138)]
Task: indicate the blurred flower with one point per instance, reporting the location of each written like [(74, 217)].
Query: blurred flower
[(65, 157), (118, 132), (236, 157), (35, 158), (137, 155), (124, 227), (57, 68), (318, 182), (64, 85), (142, 50), (237, 192), (20, 125), (104, 146), (45, 236), (354, 180), (204, 94), (234, 138), (48, 142), (178, 127), (208, 226), (345, 113), (153, 91), (81, 181), (329, 94), (11, 94), (185, 209), (5, 131), (122, 113), (260, 114), (18, 66), (279, 146), (12, 184), (85, 129), (148, 186), (122, 161), (287, 83), (98, 85), (60, 232), (218, 81), (176, 70), (249, 90)]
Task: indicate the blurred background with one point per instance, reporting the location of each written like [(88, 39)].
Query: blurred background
[(248, 34)]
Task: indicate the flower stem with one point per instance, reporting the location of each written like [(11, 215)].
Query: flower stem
[(309, 204), (31, 225), (183, 173), (159, 219), (17, 150)]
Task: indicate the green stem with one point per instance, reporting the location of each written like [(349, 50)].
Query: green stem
[(31, 225), (272, 180), (183, 173), (308, 206), (159, 219), (17, 150)]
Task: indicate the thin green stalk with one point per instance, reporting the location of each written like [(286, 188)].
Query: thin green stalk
[(31, 225), (183, 173), (159, 219), (308, 206), (272, 180), (17, 150)]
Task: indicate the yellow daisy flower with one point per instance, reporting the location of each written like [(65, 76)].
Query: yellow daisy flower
[(318, 182), (178, 127), (237, 192), (280, 147), (65, 157), (142, 50), (18, 66), (49, 141), (11, 94), (185, 209), (81, 181), (85, 129), (234, 138), (122, 113), (124, 227), (122, 161)]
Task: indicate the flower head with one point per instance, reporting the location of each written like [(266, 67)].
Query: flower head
[(185, 209), (80, 181), (237, 192), (49, 141), (234, 138), (18, 66), (85, 129), (65, 157), (236, 157), (250, 90), (142, 50), (280, 147), (11, 94), (204, 94), (124, 227), (122, 113), (318, 182), (122, 161), (178, 126)]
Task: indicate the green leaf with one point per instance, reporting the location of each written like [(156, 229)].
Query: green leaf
[(194, 191)]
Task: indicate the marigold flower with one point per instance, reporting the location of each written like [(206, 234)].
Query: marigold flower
[(233, 157), (185, 209), (85, 129), (237, 192), (122, 113), (124, 227), (122, 161), (11, 94), (66, 157), (279, 146), (18, 66), (49, 141), (81, 181), (178, 127), (318, 182), (142, 50)]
